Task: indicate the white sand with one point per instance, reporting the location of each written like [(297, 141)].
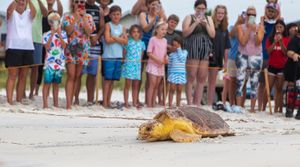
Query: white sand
[(92, 136)]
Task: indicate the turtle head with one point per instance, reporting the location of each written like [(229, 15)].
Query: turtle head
[(150, 131)]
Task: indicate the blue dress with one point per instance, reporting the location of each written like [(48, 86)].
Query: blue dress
[(176, 68), (132, 66)]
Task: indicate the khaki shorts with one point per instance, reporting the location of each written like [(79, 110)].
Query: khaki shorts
[(231, 68)]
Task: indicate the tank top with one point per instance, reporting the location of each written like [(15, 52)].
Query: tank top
[(250, 49), (114, 50), (147, 35)]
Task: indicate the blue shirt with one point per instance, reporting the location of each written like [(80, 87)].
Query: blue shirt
[(268, 30), (177, 61), (233, 52)]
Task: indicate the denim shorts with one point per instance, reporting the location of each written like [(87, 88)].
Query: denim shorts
[(37, 53), (91, 68)]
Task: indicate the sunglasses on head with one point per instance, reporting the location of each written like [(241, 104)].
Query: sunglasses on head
[(249, 14), (79, 2)]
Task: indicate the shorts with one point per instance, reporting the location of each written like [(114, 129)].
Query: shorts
[(52, 76), (261, 75), (91, 68), (38, 53), (275, 71), (15, 58), (231, 68), (112, 69)]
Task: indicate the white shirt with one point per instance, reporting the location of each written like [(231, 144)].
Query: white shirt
[(19, 31)]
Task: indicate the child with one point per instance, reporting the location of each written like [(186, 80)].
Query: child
[(132, 66), (115, 38), (173, 21), (55, 42), (276, 3), (176, 71), (157, 52)]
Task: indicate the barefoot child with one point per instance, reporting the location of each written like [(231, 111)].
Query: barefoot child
[(132, 66), (176, 71), (157, 52), (115, 38), (55, 42)]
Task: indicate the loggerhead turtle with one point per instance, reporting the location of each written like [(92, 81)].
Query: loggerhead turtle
[(184, 124)]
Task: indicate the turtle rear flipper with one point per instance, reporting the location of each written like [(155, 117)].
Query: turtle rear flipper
[(183, 137)]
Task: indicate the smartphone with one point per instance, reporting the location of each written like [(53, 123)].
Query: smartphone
[(82, 7)]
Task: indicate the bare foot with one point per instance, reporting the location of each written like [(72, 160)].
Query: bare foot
[(76, 102)]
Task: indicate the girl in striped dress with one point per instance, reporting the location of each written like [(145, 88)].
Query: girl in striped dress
[(177, 71)]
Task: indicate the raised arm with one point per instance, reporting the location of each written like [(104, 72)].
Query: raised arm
[(32, 9), (210, 27), (243, 37), (146, 26), (138, 7), (11, 9), (259, 35), (187, 28), (60, 9), (43, 8)]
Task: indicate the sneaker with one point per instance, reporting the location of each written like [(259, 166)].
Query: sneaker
[(237, 109), (297, 115), (289, 113), (228, 108)]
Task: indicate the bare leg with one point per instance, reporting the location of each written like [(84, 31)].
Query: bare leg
[(77, 81), (157, 82), (70, 84), (55, 90), (232, 90), (279, 94), (46, 89), (160, 93), (33, 80), (135, 92), (260, 96), (77, 91), (192, 68), (150, 90), (90, 87), (212, 79), (126, 91), (271, 84), (22, 83), (111, 87), (225, 92), (201, 79), (178, 95), (171, 94), (10, 83), (106, 92)]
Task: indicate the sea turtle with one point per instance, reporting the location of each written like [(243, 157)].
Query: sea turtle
[(184, 124)]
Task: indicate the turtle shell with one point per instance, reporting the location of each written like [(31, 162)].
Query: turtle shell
[(207, 124)]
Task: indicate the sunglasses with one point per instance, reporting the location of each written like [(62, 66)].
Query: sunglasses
[(79, 2), (249, 14)]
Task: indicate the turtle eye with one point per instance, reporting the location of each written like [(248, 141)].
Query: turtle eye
[(148, 129)]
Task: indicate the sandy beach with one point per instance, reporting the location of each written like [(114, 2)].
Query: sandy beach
[(92, 136)]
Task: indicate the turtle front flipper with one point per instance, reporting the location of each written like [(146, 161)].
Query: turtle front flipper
[(183, 137)]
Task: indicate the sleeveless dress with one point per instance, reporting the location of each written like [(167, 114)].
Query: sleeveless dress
[(198, 44), (147, 35)]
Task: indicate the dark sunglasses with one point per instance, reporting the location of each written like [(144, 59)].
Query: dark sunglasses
[(79, 2), (249, 14)]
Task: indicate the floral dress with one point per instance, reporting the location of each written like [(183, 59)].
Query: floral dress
[(132, 66), (77, 51)]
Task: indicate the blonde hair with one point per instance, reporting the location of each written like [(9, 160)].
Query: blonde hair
[(158, 25), (251, 8), (53, 15), (224, 22)]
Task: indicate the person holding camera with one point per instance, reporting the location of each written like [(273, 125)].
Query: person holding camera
[(198, 29), (277, 48), (79, 26), (250, 36), (19, 46)]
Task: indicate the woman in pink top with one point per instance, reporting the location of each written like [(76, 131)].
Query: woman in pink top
[(157, 52), (250, 36)]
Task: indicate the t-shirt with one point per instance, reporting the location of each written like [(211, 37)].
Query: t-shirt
[(170, 37), (37, 26), (220, 43), (268, 30), (158, 47), (19, 31), (294, 45), (55, 58), (277, 58)]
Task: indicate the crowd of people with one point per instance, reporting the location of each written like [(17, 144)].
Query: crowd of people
[(47, 42)]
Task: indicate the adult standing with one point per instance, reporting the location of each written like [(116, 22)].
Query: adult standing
[(148, 21), (37, 33), (250, 36), (95, 51), (197, 29), (19, 46), (293, 52), (46, 28), (79, 26), (141, 6), (221, 46), (277, 48), (268, 22)]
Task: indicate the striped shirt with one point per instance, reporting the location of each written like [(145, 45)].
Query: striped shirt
[(94, 11), (177, 61)]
